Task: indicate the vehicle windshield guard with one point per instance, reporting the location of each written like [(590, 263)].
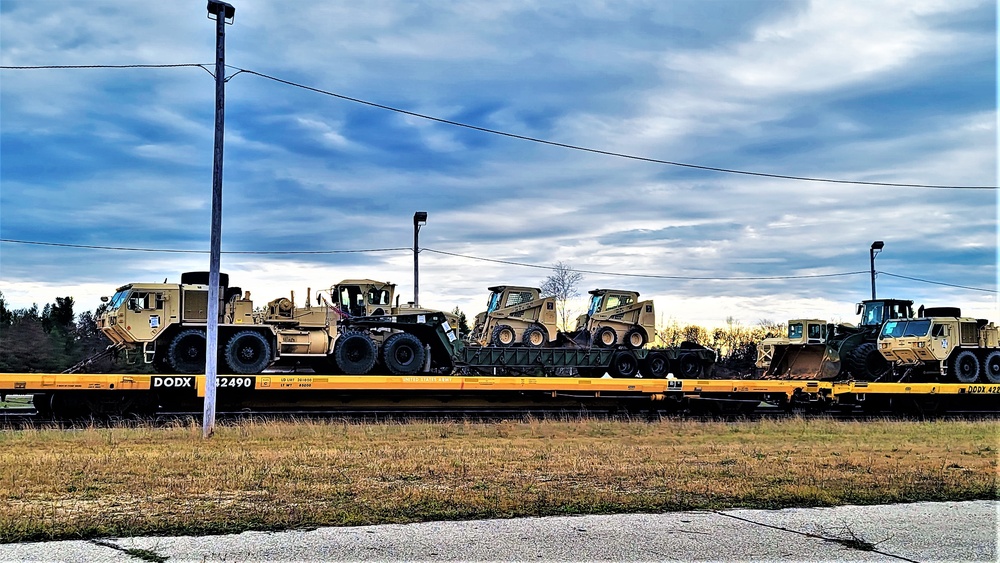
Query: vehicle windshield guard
[(595, 304), (493, 302), (903, 328)]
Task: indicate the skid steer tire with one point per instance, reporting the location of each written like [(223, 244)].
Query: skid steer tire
[(503, 336), (635, 338), (605, 337), (534, 337)]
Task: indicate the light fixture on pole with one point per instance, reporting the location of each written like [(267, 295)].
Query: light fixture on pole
[(419, 219), (877, 247), (222, 13)]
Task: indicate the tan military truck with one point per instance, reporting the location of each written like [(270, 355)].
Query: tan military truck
[(164, 325), (617, 315), (941, 344), (516, 315)]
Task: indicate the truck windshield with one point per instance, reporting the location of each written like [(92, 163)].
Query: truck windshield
[(118, 299), (901, 329)]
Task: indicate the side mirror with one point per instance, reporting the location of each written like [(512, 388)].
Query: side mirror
[(858, 308)]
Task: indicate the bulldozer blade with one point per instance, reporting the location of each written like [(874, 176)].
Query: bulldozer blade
[(803, 361)]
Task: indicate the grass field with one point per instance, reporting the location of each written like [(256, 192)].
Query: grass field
[(59, 484)]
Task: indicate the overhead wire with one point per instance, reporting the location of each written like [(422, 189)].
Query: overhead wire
[(515, 135), (484, 259)]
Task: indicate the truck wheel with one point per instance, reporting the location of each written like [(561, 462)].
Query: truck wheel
[(991, 366), (503, 335), (689, 367), (403, 354), (624, 364), (635, 338), (655, 366), (187, 351), (247, 352), (965, 366), (866, 363), (605, 337), (355, 353), (534, 337)]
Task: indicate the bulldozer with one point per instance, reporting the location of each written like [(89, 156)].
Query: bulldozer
[(815, 349)]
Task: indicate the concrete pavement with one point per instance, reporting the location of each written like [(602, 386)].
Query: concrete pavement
[(947, 531)]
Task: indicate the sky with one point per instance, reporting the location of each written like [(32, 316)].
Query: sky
[(319, 188)]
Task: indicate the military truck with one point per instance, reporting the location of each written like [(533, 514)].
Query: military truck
[(164, 325), (940, 344), (841, 351)]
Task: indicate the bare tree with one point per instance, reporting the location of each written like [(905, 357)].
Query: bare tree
[(562, 285)]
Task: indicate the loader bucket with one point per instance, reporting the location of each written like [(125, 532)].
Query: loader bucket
[(803, 361)]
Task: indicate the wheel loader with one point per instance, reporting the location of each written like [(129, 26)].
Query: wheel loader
[(815, 349)]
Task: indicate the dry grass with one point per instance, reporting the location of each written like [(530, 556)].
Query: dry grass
[(275, 475)]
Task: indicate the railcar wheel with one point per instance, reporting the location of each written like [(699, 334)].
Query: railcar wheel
[(247, 352), (635, 338), (655, 366), (187, 351), (355, 353), (866, 363), (403, 354), (534, 337), (689, 367), (503, 335), (965, 367), (605, 337), (624, 364), (991, 366)]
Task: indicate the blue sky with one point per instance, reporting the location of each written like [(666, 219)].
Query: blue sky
[(883, 91)]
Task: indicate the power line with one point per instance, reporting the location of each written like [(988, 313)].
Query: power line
[(483, 259), (175, 251), (938, 283), (653, 276), (514, 135)]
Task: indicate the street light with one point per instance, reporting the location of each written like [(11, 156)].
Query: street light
[(419, 219), (877, 247)]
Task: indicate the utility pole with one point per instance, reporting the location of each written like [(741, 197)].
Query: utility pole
[(220, 12)]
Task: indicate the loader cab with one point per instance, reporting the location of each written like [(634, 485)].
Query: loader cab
[(807, 331), (874, 312)]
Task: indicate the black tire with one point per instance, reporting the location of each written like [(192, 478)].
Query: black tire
[(403, 354), (635, 338), (247, 352), (605, 337), (534, 337), (866, 363), (689, 366), (991, 367), (503, 336), (187, 351), (355, 353), (624, 364), (965, 367), (655, 366)]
